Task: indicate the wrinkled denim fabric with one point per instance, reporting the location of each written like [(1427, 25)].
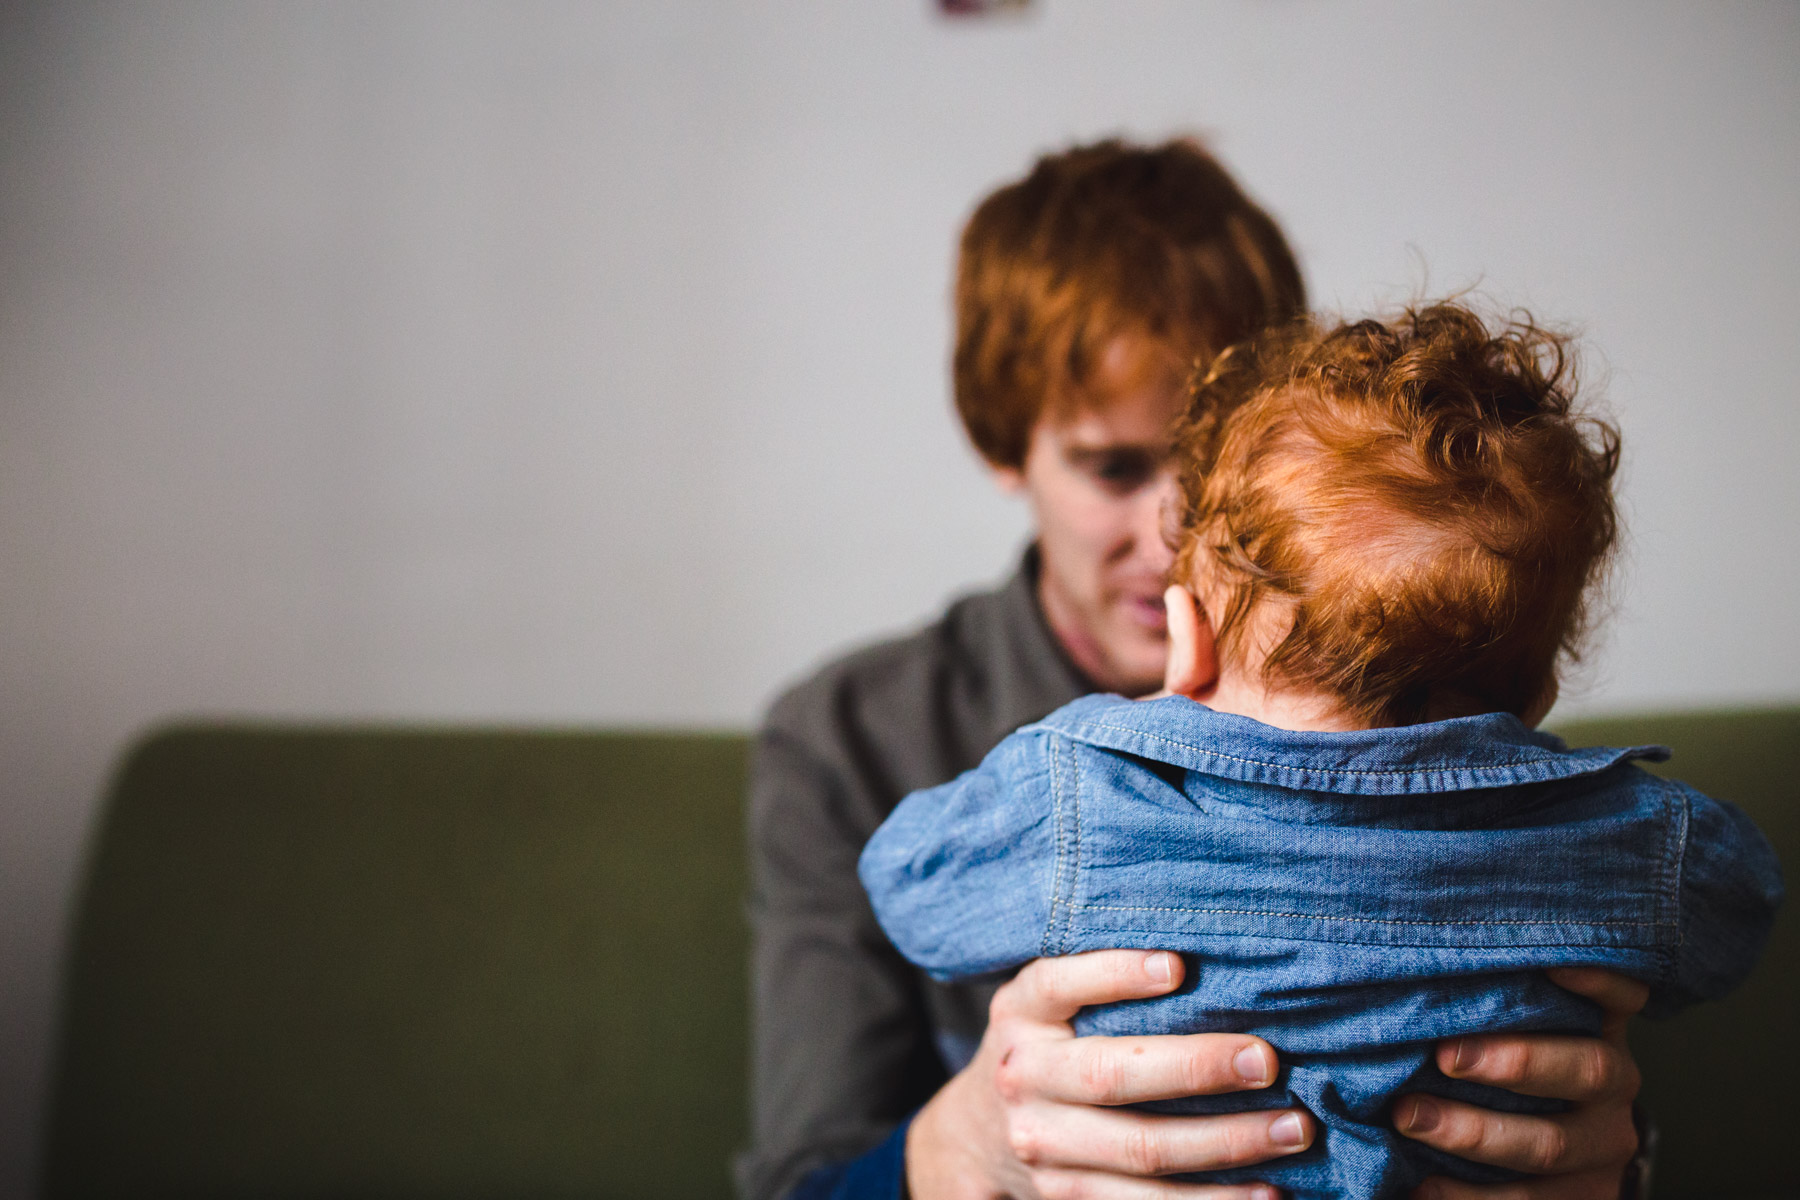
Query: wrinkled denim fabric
[(1351, 897)]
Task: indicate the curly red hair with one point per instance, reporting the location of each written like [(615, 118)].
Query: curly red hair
[(1423, 494)]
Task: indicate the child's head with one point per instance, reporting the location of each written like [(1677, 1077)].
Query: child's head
[(1153, 246), (1402, 518)]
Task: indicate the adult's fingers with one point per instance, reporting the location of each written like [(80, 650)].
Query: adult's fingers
[(1553, 1065), (1620, 996), (1054, 1184), (1053, 990), (1588, 1185), (1581, 1140), (1142, 1144), (1130, 1070)]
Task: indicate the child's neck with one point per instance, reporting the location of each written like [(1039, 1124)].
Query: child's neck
[(1284, 708)]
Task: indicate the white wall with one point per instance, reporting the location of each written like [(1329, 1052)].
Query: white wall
[(586, 363)]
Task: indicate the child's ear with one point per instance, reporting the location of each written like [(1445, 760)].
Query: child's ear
[(1193, 667)]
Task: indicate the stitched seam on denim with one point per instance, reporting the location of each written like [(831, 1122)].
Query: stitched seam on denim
[(1680, 810), (1071, 799), (1063, 918), (1056, 869), (1075, 850), (1289, 937), (1258, 762), (1257, 912)]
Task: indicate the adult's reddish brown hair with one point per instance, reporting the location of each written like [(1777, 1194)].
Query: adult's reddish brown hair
[(1423, 495), (1153, 243)]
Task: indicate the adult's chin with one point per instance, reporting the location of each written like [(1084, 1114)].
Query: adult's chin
[(1140, 655)]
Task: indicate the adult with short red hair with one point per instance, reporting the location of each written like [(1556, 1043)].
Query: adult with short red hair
[(1086, 293)]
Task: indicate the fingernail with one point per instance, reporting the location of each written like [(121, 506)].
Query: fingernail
[(1160, 965), (1466, 1055), (1263, 1191), (1252, 1065), (1287, 1130), (1417, 1115)]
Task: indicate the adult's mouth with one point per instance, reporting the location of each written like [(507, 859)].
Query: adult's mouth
[(1146, 611)]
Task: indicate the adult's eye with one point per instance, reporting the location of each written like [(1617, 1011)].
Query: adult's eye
[(1122, 471)]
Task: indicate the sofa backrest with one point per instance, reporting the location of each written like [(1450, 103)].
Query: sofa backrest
[(381, 962), (472, 963)]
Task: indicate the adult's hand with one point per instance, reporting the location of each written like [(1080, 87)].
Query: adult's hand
[(1034, 1113), (1577, 1155)]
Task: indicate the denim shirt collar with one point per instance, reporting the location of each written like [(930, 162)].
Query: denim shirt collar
[(1493, 750)]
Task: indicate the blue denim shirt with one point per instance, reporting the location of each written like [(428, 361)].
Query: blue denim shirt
[(1351, 897)]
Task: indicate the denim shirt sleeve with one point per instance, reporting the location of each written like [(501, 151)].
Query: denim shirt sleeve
[(1730, 888), (981, 845)]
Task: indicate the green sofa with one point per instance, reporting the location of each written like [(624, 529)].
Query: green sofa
[(390, 962)]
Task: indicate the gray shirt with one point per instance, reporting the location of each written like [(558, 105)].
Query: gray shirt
[(849, 1037)]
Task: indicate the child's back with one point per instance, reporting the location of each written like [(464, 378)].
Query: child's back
[(1350, 897), (1354, 834)]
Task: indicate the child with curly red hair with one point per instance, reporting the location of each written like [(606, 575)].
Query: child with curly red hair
[(1342, 813)]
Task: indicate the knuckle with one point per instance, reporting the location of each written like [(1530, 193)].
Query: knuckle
[(1234, 1145), (1244, 1143), (1629, 1142), (1144, 1152), (1456, 1133), (1103, 1077), (1005, 1004), (1617, 1140), (1051, 985), (1546, 1151), (1026, 1141), (1040, 984), (1598, 1072), (1010, 1075), (1627, 1080), (1194, 1074)]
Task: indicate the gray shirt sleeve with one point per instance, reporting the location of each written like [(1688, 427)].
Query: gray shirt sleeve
[(842, 1042), (849, 1037)]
